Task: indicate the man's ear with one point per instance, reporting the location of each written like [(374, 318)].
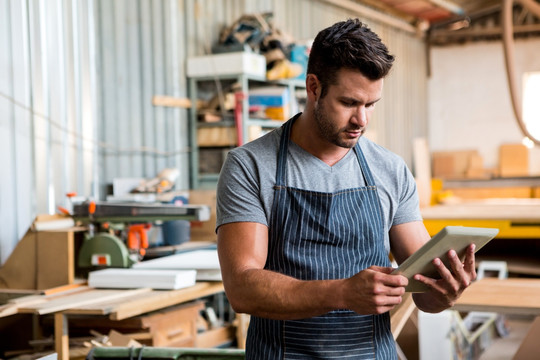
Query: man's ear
[(313, 87)]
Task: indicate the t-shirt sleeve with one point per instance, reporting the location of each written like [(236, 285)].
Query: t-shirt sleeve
[(408, 206), (238, 195)]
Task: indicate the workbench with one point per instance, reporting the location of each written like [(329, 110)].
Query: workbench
[(518, 296), (518, 221), (515, 218), (113, 303)]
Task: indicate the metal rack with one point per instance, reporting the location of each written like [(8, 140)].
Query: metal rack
[(209, 180)]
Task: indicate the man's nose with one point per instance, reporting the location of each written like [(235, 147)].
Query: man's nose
[(360, 118)]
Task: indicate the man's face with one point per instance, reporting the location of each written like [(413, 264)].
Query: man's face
[(343, 114)]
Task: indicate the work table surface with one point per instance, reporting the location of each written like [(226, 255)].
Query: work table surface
[(506, 296)]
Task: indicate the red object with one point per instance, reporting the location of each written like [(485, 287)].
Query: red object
[(239, 97)]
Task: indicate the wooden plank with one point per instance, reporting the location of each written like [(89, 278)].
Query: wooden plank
[(529, 347), (19, 270), (528, 211), (519, 192), (400, 314), (61, 336), (160, 299), (55, 259), (171, 101), (509, 296), (215, 337), (8, 310), (91, 296), (38, 299), (422, 168)]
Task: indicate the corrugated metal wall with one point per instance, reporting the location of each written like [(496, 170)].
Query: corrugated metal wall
[(77, 79), (47, 109)]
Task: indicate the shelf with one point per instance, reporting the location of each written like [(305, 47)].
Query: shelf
[(266, 123), (245, 82)]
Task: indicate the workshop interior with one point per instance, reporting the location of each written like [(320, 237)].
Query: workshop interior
[(116, 118)]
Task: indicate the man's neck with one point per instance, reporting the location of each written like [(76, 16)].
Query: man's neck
[(304, 134)]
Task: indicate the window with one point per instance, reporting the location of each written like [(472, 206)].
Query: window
[(531, 103)]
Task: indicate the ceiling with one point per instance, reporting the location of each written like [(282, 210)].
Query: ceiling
[(432, 11), (450, 21)]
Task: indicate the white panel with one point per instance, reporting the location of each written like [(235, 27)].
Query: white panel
[(147, 138), (22, 130), (469, 103), (8, 196)]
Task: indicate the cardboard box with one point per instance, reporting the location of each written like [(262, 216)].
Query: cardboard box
[(269, 96), (204, 230), (513, 160), (224, 135), (452, 164), (211, 160), (234, 63), (42, 259), (216, 136)]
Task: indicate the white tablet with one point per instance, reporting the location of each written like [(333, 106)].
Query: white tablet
[(451, 237)]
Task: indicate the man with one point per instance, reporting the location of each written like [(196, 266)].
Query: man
[(308, 213)]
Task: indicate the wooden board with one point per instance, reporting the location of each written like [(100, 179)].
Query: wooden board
[(513, 160), (520, 192), (510, 296), (55, 259), (41, 260), (527, 210), (81, 298), (529, 347), (401, 313), (160, 299), (19, 270), (171, 101)]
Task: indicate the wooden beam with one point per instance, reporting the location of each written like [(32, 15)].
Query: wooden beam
[(171, 101), (364, 11), (61, 337), (477, 32)]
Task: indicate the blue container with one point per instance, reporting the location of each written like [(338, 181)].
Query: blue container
[(176, 232)]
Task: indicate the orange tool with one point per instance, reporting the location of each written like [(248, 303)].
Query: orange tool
[(137, 237)]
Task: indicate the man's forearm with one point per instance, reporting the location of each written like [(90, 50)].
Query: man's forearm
[(272, 295)]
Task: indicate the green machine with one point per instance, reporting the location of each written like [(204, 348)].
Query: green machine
[(117, 232)]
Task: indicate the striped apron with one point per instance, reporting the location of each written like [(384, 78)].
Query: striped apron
[(318, 236)]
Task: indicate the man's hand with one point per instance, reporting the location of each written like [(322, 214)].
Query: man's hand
[(446, 290), (374, 290)]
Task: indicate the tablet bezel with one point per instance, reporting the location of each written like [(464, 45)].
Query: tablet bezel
[(457, 238)]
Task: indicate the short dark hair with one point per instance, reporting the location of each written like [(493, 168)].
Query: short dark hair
[(348, 44)]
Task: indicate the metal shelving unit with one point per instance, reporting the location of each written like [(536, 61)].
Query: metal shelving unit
[(209, 180)]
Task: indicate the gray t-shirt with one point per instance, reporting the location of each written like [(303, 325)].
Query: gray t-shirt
[(245, 187)]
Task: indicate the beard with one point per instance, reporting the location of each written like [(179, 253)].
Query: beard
[(329, 131)]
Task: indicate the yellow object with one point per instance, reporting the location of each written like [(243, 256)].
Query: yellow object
[(284, 69), (507, 229), (277, 112)]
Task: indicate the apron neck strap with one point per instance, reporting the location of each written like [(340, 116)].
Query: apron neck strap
[(281, 170)]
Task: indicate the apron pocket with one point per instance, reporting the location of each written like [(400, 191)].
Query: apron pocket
[(331, 336)]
